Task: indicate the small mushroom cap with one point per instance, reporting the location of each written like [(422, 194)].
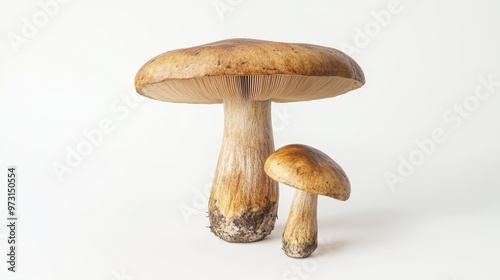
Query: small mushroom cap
[(308, 169), (248, 69)]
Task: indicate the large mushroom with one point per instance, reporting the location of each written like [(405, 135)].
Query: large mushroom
[(246, 75)]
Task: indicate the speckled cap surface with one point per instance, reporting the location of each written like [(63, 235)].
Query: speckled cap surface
[(248, 69), (308, 169)]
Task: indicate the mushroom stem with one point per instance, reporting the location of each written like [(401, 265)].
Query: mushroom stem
[(300, 237), (244, 200)]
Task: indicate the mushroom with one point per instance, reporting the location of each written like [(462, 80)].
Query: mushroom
[(311, 172), (245, 75)]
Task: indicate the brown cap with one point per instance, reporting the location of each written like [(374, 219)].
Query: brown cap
[(250, 70), (308, 169)]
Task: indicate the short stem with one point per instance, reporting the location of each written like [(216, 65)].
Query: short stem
[(300, 237), (244, 200)]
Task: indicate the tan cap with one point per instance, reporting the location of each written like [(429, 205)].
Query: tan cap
[(308, 169), (249, 70)]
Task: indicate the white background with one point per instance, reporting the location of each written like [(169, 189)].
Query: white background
[(117, 213)]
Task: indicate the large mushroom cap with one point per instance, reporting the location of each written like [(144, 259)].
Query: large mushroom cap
[(308, 169), (249, 70)]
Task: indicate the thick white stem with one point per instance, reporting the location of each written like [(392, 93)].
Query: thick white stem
[(300, 237), (244, 200)]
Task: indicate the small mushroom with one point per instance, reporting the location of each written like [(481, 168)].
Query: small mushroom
[(311, 172), (246, 75)]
